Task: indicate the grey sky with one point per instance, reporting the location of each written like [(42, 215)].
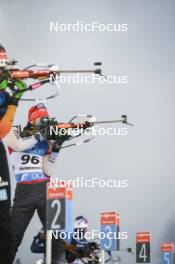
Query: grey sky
[(146, 54)]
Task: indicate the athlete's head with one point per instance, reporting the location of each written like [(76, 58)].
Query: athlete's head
[(3, 57), (80, 225), (38, 114)]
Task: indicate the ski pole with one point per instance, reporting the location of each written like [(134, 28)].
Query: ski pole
[(48, 246)]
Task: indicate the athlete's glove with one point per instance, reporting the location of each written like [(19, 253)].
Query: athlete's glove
[(56, 147), (86, 125), (19, 86)]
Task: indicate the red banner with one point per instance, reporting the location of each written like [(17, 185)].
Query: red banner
[(167, 247), (110, 218), (143, 237), (57, 192)]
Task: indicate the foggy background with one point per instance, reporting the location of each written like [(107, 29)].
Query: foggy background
[(146, 156)]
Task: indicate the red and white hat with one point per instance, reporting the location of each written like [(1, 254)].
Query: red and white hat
[(37, 111), (3, 56)]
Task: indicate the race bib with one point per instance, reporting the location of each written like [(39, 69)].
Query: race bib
[(28, 167)]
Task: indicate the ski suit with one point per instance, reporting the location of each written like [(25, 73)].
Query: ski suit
[(33, 166), (7, 114)]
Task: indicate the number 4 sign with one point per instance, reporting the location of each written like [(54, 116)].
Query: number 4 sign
[(59, 208), (167, 252), (143, 247)]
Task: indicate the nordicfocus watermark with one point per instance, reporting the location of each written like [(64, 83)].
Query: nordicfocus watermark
[(92, 131), (81, 78), (82, 26), (94, 182), (89, 235)]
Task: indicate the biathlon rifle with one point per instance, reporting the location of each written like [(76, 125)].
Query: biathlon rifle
[(13, 73), (52, 124), (85, 124)]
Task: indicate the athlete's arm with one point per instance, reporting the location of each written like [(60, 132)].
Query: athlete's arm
[(7, 120), (17, 143), (49, 163), (50, 159)]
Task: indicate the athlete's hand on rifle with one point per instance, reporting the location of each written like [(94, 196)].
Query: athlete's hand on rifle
[(17, 93), (85, 125), (56, 147)]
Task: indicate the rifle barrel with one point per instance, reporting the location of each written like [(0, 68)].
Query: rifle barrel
[(75, 71), (109, 121)]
